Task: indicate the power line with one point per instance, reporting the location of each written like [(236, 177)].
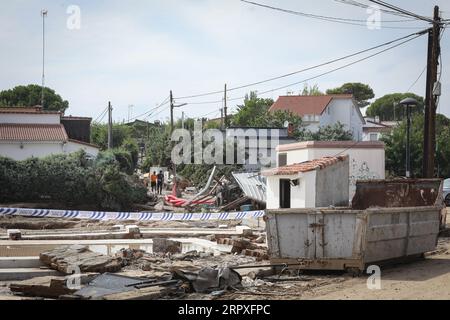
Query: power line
[(356, 22), (365, 6), (325, 73), (418, 78), (300, 71), (151, 110), (101, 115), (161, 111), (398, 9)]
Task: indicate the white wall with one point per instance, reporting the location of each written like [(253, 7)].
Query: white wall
[(345, 112), (39, 118), (71, 147), (365, 163), (14, 151), (366, 136), (302, 196)]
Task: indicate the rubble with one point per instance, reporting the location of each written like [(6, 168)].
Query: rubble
[(166, 246), (47, 287), (65, 258), (209, 280)]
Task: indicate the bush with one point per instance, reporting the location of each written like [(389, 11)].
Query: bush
[(71, 179)]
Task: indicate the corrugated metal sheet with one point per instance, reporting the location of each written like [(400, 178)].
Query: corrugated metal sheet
[(252, 184)]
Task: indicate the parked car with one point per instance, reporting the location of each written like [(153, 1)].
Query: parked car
[(447, 192)]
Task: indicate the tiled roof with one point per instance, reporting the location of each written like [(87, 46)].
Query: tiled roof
[(307, 166), (306, 105), (27, 110), (32, 132)]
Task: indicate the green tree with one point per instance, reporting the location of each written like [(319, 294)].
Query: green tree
[(253, 113), (121, 133), (30, 96), (396, 147), (389, 109), (335, 132), (311, 90), (361, 92)]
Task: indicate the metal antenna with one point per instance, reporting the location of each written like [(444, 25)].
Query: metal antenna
[(43, 14)]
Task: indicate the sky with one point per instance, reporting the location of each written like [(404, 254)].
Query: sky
[(135, 52)]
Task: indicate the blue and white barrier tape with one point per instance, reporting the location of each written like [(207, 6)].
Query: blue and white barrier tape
[(135, 216)]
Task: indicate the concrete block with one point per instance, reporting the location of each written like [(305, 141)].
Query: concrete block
[(14, 234), (17, 274), (20, 262), (244, 230), (118, 227)]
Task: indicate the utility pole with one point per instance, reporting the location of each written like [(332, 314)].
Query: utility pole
[(221, 119), (44, 13), (171, 112), (182, 120), (172, 128), (434, 48), (130, 112), (225, 109), (110, 124)]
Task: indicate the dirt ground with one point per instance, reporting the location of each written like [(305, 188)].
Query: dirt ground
[(423, 279)]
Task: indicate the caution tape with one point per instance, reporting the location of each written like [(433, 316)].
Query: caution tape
[(133, 216)]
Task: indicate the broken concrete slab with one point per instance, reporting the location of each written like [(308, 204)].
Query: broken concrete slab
[(17, 274), (14, 234), (47, 287), (151, 293), (66, 258), (20, 262), (166, 246)]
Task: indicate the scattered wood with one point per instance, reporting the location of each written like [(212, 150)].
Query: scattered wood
[(236, 204), (66, 258)]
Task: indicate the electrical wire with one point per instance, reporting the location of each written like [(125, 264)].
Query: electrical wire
[(328, 72), (398, 9), (355, 22), (418, 78), (151, 110), (365, 6), (101, 115), (300, 71)]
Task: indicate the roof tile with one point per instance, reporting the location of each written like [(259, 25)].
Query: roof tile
[(317, 164), (32, 132), (306, 105)]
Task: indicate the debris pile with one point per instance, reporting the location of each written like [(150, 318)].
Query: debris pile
[(65, 259)]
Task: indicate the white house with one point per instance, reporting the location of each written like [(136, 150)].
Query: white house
[(311, 184), (32, 132), (367, 159), (320, 111), (374, 129), (260, 144)]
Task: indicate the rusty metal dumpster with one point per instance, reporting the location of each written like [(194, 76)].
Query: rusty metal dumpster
[(388, 220)]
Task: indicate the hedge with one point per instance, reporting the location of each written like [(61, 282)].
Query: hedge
[(72, 179)]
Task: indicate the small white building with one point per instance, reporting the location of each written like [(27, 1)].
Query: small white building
[(367, 159), (32, 132), (311, 184), (374, 129), (324, 110)]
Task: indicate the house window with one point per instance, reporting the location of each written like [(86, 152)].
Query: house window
[(374, 137), (282, 159), (285, 194)]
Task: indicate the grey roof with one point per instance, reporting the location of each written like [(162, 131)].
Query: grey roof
[(252, 184)]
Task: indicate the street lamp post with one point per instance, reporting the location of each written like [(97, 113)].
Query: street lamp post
[(408, 102), (172, 128)]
